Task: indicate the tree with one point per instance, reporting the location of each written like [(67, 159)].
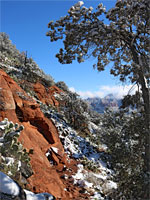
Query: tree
[(6, 47), (121, 132), (124, 41), (74, 108), (62, 85)]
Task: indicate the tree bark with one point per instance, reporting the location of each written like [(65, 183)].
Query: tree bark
[(146, 99)]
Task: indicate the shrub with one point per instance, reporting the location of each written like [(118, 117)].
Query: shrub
[(121, 132), (15, 160)]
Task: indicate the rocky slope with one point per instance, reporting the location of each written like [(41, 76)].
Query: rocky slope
[(60, 149), (39, 134)]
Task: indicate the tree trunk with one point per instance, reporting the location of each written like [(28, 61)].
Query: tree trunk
[(146, 99)]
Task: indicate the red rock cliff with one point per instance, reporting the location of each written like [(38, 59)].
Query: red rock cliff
[(40, 134)]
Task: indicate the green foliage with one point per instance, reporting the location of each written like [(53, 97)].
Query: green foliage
[(21, 67), (6, 46), (122, 135), (62, 85), (85, 34), (74, 110), (123, 41), (15, 160), (89, 165)]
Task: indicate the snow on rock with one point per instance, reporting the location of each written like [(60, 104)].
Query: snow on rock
[(93, 173), (97, 196), (92, 127), (108, 186), (84, 150), (79, 175), (8, 186), (55, 149), (41, 196), (80, 178)]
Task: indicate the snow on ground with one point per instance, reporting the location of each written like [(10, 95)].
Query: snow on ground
[(41, 196), (93, 172), (8, 186)]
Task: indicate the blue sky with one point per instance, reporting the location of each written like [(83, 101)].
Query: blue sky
[(26, 24)]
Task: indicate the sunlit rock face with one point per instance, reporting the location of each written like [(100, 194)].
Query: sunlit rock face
[(39, 134), (49, 161), (47, 95), (65, 164)]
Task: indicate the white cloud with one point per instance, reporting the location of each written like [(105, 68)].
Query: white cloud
[(86, 94), (117, 91)]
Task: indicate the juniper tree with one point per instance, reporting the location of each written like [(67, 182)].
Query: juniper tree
[(124, 41)]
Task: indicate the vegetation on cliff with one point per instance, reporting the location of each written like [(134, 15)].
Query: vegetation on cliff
[(112, 149), (119, 36)]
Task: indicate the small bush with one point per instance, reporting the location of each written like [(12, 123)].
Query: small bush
[(15, 160)]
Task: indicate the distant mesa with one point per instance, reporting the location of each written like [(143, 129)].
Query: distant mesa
[(100, 104)]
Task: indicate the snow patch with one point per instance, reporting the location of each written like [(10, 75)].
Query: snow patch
[(8, 186), (55, 149), (42, 196), (93, 173)]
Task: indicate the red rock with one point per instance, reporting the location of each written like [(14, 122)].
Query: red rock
[(46, 95), (39, 134), (6, 96), (45, 178)]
